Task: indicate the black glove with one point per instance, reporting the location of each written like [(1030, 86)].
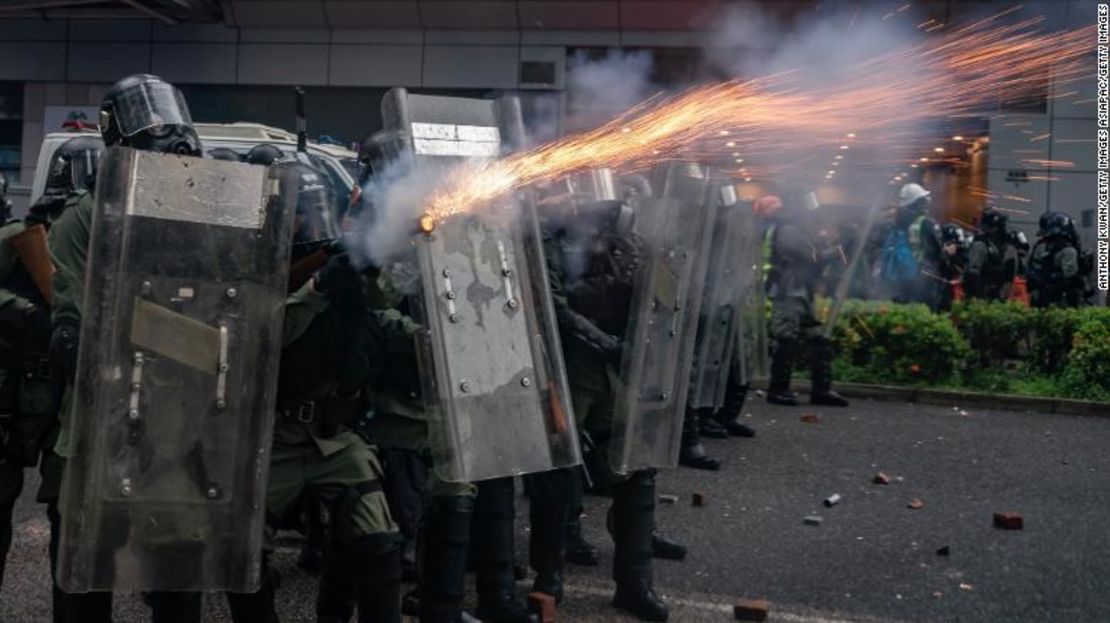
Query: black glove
[(584, 330), (63, 349)]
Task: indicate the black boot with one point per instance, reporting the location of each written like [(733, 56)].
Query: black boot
[(633, 524), (335, 599), (442, 558), (408, 561), (821, 375), (710, 427), (579, 550), (662, 547), (549, 512), (311, 557), (255, 607), (377, 580), (493, 549), (175, 607), (736, 394), (692, 453), (782, 367)]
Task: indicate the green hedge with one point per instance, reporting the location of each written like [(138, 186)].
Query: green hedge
[(997, 347)]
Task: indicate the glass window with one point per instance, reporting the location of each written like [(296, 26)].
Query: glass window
[(11, 128)]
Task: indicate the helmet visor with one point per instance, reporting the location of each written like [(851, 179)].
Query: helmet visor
[(82, 168), (314, 221), (150, 105)]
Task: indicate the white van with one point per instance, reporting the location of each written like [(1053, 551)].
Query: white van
[(338, 163)]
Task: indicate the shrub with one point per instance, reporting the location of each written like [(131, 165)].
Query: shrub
[(883, 342), (994, 330), (1087, 373)]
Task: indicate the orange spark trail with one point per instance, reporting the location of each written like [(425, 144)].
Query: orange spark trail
[(881, 98)]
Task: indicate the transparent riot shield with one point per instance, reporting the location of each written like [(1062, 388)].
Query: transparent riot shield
[(495, 386), (675, 228), (730, 328), (174, 396)]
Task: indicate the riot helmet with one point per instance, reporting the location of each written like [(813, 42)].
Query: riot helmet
[(315, 223), (145, 112), (1055, 225), (264, 154), (994, 222), (951, 233), (224, 153), (72, 167)]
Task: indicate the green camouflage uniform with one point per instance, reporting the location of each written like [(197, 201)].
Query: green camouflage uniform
[(68, 242), (26, 400)]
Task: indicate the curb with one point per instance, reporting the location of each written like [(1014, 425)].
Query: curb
[(947, 397)]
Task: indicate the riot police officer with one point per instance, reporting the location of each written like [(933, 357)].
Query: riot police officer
[(793, 265), (592, 260), (954, 245), (27, 400), (146, 113), (29, 404), (332, 354), (1057, 269), (995, 258)]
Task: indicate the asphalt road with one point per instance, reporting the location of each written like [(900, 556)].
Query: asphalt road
[(871, 559)]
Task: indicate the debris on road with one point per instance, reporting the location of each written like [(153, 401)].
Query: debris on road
[(667, 498), (543, 606), (832, 500), (698, 499), (944, 551), (810, 418), (915, 504), (750, 610), (965, 586), (881, 479), (813, 520), (760, 393), (1008, 521)]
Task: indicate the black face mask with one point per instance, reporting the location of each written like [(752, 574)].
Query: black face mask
[(180, 140)]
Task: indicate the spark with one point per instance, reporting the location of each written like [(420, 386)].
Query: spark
[(966, 225), (1040, 137), (1056, 164), (952, 74), (1016, 198)]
